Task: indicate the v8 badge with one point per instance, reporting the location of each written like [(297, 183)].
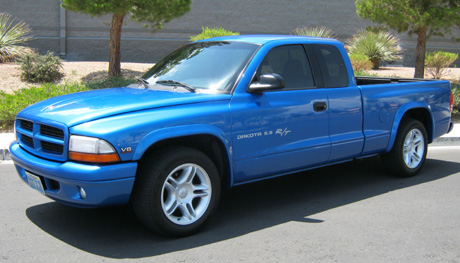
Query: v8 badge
[(126, 150)]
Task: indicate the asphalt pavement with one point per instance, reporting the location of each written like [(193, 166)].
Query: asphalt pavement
[(350, 212)]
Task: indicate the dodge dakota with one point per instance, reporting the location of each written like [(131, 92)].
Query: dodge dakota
[(220, 113)]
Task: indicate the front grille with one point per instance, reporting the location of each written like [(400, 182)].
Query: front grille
[(28, 140), (52, 147), (51, 131), (47, 141), (27, 125)]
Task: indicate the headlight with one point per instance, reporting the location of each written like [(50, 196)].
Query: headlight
[(92, 150)]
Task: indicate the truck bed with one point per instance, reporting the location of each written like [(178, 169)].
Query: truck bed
[(382, 80)]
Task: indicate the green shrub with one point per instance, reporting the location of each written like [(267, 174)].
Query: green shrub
[(110, 83), (376, 45), (314, 32), (11, 38), (363, 73), (360, 62), (213, 32), (12, 104), (41, 68), (456, 94), (438, 62)]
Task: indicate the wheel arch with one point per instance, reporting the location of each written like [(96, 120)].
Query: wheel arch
[(417, 111), (208, 139)]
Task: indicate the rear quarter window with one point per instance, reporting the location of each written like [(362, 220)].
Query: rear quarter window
[(332, 66)]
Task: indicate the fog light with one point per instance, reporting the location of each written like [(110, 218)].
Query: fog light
[(82, 193)]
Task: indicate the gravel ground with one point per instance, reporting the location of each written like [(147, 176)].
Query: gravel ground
[(452, 74), (10, 73)]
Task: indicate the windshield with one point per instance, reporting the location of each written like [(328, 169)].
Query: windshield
[(212, 66)]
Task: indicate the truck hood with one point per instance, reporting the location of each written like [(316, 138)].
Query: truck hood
[(77, 108)]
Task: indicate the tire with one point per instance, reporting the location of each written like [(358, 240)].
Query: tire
[(409, 151), (176, 190)]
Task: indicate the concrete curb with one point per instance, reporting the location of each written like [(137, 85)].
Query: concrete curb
[(5, 141), (4, 155), (447, 141)]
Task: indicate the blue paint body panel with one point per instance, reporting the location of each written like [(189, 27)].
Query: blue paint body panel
[(262, 135)]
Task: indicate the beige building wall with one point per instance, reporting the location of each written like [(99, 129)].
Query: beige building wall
[(81, 37)]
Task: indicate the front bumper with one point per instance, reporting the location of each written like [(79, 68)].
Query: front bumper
[(104, 185)]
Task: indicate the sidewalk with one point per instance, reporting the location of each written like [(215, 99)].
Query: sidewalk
[(451, 139)]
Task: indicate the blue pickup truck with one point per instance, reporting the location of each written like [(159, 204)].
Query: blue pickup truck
[(220, 113)]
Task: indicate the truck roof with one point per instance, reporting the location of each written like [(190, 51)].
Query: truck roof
[(264, 39)]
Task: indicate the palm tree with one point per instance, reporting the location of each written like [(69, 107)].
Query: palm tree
[(11, 37)]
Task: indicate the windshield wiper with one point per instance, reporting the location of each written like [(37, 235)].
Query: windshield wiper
[(143, 82), (171, 82)]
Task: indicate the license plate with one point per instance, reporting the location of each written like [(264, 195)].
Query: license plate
[(35, 182)]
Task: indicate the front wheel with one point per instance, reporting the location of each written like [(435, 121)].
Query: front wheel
[(409, 151), (176, 191)]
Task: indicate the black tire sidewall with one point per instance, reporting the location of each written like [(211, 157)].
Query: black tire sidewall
[(395, 160), (148, 199)]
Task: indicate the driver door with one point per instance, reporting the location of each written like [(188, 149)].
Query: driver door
[(276, 132)]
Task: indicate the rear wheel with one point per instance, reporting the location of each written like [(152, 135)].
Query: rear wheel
[(409, 151), (176, 191)]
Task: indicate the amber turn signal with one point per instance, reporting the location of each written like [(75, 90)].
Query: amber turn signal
[(94, 158)]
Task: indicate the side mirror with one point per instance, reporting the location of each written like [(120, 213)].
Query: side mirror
[(267, 82)]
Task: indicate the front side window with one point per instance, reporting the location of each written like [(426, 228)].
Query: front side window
[(291, 62), (205, 66)]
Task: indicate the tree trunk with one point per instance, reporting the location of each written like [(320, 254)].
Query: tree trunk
[(115, 39), (375, 63), (420, 53)]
